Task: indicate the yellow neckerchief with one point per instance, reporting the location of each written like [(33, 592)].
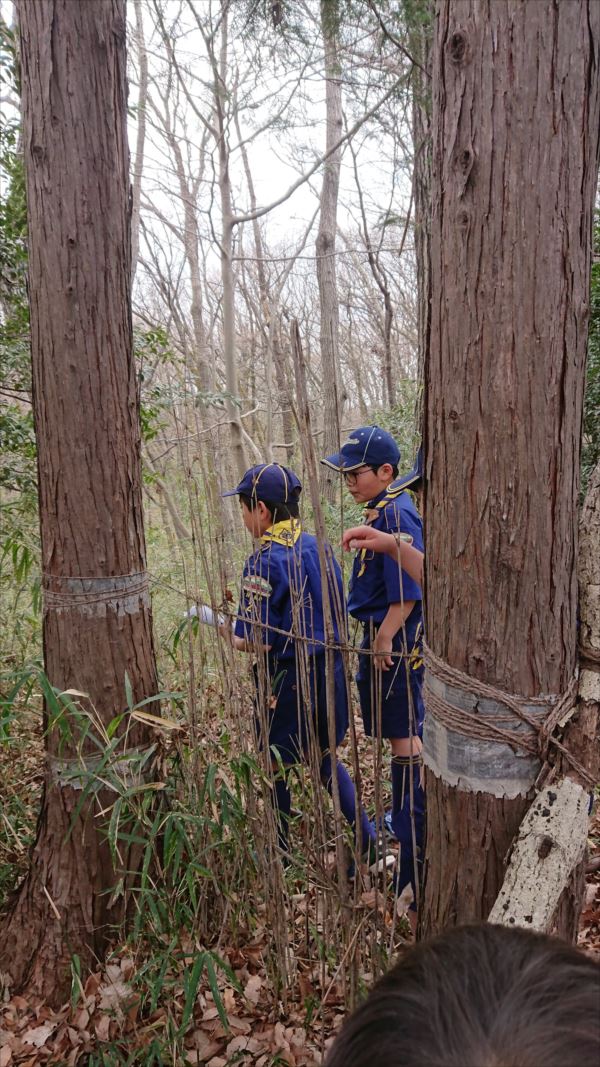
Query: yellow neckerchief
[(369, 516), (284, 533)]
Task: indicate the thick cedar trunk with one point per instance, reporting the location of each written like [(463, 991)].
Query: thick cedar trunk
[(420, 43), (558, 818), (515, 142), (138, 166), (326, 238), (96, 630)]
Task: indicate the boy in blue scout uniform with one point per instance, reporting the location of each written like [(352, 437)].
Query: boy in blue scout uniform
[(387, 602), (282, 601)]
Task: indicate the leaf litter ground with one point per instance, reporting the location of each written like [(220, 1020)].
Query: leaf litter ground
[(111, 1020)]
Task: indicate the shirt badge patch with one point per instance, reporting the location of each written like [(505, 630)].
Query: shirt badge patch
[(255, 585)]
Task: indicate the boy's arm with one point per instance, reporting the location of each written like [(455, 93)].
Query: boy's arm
[(241, 643), (254, 613), (395, 617), (393, 544)]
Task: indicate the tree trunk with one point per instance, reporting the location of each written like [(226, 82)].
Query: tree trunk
[(227, 279), (138, 166), (515, 147), (582, 734), (326, 238), (270, 326), (549, 855), (97, 618), (420, 44)]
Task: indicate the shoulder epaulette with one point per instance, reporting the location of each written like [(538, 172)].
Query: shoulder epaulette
[(394, 489)]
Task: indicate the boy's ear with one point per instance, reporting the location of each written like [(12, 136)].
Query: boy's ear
[(385, 470)]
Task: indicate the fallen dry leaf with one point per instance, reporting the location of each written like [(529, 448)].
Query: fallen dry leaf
[(81, 1019), (253, 988), (92, 985), (38, 1035), (229, 1000), (204, 1046), (243, 1044), (240, 1026), (117, 994), (102, 1028)]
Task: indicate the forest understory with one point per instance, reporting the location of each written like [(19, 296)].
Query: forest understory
[(151, 1002)]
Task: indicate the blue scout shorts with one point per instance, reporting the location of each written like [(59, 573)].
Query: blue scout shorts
[(295, 716), (384, 696)]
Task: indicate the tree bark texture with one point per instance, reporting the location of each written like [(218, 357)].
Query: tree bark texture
[(420, 43), (515, 156), (551, 843), (138, 166), (325, 246), (97, 617), (582, 733)]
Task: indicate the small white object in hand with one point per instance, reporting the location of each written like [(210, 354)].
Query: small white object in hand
[(354, 545), (205, 614)]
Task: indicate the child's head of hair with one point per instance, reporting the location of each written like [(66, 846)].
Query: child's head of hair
[(394, 467), (479, 996), (279, 512)]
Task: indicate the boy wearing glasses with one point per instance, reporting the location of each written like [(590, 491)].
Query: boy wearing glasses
[(387, 601)]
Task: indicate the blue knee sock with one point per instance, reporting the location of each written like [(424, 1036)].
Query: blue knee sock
[(283, 804), (347, 800), (403, 816)]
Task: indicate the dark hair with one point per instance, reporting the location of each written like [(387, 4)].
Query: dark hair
[(479, 996), (375, 467), (279, 512)]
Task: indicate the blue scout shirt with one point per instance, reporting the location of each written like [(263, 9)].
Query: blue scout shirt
[(377, 580), (281, 590)]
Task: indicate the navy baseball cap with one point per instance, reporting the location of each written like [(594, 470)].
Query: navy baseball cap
[(414, 476), (370, 445), (269, 481)]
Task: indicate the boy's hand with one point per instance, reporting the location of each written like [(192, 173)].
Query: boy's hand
[(226, 631), (358, 537), (382, 648), (369, 538)]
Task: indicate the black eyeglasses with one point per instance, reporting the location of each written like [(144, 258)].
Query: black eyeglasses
[(351, 477)]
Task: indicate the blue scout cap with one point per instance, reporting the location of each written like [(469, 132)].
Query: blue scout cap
[(269, 481), (368, 445), (405, 481)]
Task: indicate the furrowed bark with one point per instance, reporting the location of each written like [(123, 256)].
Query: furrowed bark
[(515, 160), (97, 619), (550, 849)]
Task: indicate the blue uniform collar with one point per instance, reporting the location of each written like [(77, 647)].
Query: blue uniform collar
[(374, 502), (373, 509)]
